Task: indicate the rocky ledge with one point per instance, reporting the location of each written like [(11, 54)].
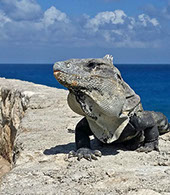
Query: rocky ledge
[(37, 132)]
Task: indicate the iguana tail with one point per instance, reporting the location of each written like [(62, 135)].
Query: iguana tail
[(164, 128), (162, 122)]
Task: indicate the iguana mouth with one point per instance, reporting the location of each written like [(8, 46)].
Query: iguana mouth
[(57, 72)]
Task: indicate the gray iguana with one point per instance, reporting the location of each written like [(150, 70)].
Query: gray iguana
[(112, 110)]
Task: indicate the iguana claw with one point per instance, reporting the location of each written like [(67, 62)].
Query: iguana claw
[(85, 153), (148, 147)]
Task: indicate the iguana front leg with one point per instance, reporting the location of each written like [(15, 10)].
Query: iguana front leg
[(82, 139)]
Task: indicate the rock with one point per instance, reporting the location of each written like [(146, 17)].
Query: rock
[(36, 134), (143, 191), (110, 172), (5, 166), (12, 105)]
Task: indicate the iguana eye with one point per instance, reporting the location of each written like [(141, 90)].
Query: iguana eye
[(68, 65), (91, 65)]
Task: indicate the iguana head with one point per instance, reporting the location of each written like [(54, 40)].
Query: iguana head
[(80, 73)]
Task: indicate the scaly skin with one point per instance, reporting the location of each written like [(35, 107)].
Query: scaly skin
[(112, 110)]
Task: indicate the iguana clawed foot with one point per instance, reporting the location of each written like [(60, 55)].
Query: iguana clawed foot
[(85, 153), (148, 147)]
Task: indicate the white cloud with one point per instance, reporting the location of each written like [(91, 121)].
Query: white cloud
[(23, 21), (132, 23), (56, 27), (53, 15), (145, 20), (21, 9), (106, 29), (116, 29), (3, 18), (102, 18)]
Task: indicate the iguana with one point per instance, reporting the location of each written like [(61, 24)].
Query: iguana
[(112, 110)]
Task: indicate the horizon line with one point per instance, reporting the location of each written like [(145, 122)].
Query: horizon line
[(113, 63)]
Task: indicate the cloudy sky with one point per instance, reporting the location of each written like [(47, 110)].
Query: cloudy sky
[(44, 31)]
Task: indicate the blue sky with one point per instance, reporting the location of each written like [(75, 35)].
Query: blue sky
[(45, 31)]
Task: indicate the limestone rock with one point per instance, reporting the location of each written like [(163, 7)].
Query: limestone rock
[(12, 104), (4, 167), (37, 127), (143, 191)]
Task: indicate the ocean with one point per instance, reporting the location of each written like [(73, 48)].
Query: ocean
[(151, 82)]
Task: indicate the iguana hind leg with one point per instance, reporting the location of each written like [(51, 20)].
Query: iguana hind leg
[(151, 135), (160, 126), (146, 122)]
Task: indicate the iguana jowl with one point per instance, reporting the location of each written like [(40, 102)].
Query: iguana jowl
[(112, 110)]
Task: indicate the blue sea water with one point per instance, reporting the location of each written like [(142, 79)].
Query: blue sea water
[(151, 82)]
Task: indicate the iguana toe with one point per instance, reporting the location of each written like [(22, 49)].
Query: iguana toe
[(148, 147), (97, 153), (72, 153)]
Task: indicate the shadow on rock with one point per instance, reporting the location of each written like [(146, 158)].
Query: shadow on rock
[(65, 148), (111, 149)]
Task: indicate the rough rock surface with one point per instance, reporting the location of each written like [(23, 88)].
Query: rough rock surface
[(40, 121)]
